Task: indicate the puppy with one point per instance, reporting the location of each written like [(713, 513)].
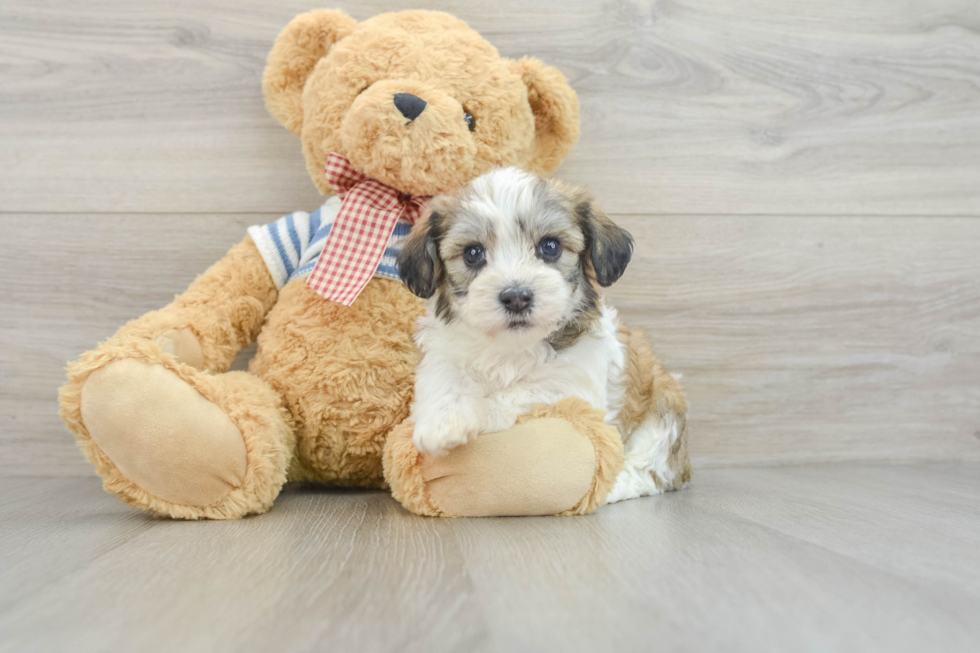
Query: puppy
[(512, 268)]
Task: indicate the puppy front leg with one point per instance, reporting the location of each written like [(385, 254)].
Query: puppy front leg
[(502, 411), (505, 407), (449, 408)]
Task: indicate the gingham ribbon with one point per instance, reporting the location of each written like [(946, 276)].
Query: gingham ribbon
[(360, 232)]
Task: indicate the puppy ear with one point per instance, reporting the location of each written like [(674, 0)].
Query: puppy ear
[(608, 246), (298, 48), (418, 262), (556, 114)]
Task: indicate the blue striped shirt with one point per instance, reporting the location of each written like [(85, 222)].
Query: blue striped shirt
[(292, 244)]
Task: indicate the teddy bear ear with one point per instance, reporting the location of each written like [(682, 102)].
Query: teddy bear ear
[(556, 114), (298, 48)]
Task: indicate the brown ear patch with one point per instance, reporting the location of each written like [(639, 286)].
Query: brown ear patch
[(608, 246), (301, 44), (419, 264)]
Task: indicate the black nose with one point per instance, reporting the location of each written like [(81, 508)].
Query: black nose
[(517, 300), (410, 105)]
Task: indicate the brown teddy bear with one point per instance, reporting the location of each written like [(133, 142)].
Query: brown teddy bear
[(390, 110)]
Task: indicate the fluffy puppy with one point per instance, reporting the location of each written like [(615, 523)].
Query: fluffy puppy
[(512, 268)]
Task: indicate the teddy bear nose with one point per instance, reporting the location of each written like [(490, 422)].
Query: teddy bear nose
[(410, 105)]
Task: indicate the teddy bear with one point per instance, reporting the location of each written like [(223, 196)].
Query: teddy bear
[(389, 111)]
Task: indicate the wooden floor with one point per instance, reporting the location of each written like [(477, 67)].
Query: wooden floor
[(817, 558)]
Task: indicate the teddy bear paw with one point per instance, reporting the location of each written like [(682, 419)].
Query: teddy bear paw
[(162, 435)]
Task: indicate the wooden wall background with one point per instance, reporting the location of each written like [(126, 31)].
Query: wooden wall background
[(802, 177)]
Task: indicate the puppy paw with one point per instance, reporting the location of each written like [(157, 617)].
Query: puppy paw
[(499, 420), (438, 433), (503, 409)]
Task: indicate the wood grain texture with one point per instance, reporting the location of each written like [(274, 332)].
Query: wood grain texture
[(815, 338), (843, 558), (689, 106), (67, 284), (862, 514), (806, 339)]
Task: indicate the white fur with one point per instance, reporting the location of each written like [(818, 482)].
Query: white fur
[(469, 383), (497, 198), (647, 450)]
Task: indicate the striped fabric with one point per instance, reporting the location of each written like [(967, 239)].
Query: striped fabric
[(292, 244)]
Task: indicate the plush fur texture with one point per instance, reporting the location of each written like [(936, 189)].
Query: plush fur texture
[(253, 407), (328, 384), (487, 360), (605, 439), (345, 373), (403, 470), (223, 309), (332, 81), (409, 472)]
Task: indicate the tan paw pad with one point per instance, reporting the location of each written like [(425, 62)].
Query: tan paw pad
[(162, 434)]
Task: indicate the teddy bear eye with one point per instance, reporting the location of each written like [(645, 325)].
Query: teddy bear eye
[(468, 118)]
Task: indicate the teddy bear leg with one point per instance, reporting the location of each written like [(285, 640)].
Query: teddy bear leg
[(559, 459), (178, 442)]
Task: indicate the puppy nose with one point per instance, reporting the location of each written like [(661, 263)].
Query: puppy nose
[(516, 300), (410, 105)]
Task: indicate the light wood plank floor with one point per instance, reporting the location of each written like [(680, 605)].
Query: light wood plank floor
[(817, 558)]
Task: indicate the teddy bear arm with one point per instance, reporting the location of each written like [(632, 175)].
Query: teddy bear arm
[(219, 314), (175, 440), (558, 459)]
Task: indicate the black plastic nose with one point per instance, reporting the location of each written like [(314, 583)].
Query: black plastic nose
[(516, 300), (410, 105)]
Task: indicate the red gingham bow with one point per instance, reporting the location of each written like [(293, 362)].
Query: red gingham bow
[(360, 232)]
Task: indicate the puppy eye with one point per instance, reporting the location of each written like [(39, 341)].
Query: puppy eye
[(549, 249), (473, 255), (469, 120)]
